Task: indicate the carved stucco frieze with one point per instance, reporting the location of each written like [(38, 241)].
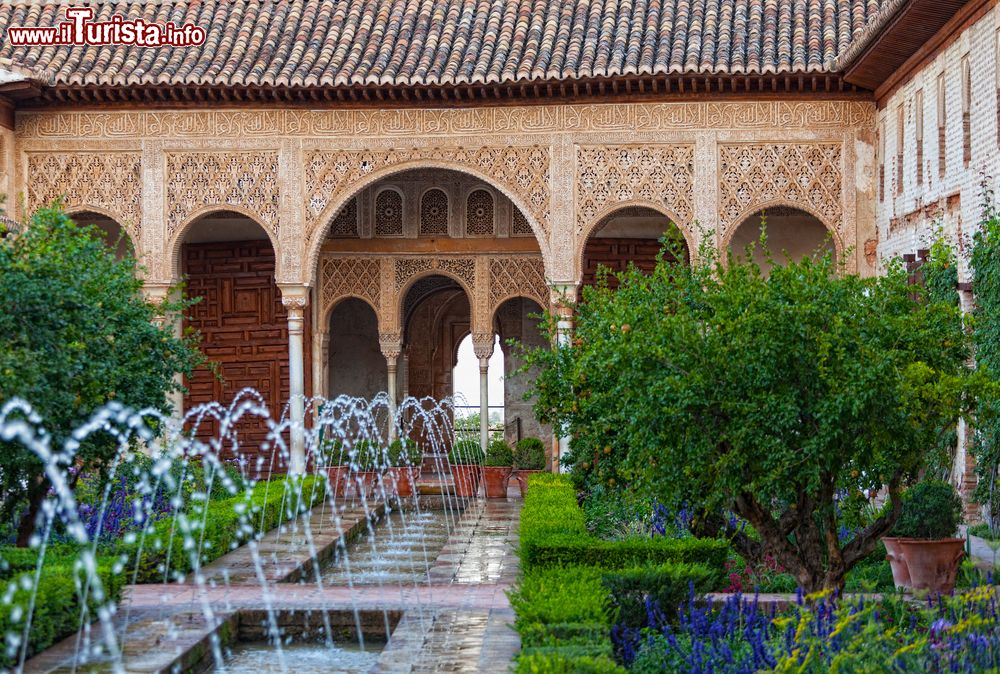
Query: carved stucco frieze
[(755, 175), (246, 181), (608, 175), (517, 277), (501, 120), (333, 175), (110, 182), (341, 277)]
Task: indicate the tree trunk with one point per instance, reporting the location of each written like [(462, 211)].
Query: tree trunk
[(26, 527)]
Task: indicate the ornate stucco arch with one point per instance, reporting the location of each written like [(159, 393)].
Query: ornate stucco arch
[(130, 232), (173, 248), (521, 278), (334, 177), (831, 228), (591, 226), (402, 290)]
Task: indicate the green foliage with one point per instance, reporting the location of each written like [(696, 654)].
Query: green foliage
[(367, 455), (76, 333), (466, 453), (529, 454), (617, 513), (985, 264), (565, 663), (666, 584), (731, 390), (162, 553), (931, 509), (555, 595), (983, 530), (58, 603), (405, 453), (500, 454)]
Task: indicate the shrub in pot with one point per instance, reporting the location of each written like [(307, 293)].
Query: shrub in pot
[(925, 535), (405, 462), (529, 457), (335, 461), (466, 461), (497, 468), (368, 462)]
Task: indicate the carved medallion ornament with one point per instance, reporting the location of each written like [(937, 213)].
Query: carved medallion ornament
[(479, 214), (106, 181), (521, 170), (752, 176), (657, 174), (434, 212), (245, 180)]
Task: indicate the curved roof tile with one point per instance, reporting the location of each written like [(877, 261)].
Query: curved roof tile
[(424, 42)]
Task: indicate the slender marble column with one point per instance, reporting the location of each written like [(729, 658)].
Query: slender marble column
[(295, 298)]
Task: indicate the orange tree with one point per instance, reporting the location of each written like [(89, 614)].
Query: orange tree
[(76, 333), (732, 390)]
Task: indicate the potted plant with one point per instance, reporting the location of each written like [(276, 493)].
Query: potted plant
[(529, 457), (497, 468), (405, 462), (335, 460), (466, 460), (925, 535), (368, 463)]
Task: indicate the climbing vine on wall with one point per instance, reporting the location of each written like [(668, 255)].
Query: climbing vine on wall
[(985, 263)]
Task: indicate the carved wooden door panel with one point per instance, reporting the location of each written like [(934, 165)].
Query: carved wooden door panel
[(244, 331)]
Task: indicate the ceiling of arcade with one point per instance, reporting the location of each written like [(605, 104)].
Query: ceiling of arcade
[(323, 182)]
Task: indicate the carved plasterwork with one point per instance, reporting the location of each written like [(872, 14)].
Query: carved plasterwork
[(625, 174), (541, 119), (434, 212), (479, 210), (389, 213), (754, 176), (106, 181), (517, 277), (341, 277), (244, 180), (346, 222), (523, 171)]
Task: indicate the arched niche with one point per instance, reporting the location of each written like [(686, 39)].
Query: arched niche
[(114, 234), (436, 316), (629, 235), (356, 365), (792, 233)]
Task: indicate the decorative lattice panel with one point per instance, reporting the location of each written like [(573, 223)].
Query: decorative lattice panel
[(345, 225), (479, 211), (407, 267), (519, 224), (522, 171), (389, 213), (659, 174), (517, 276), (349, 276), (434, 212), (753, 176), (462, 267), (246, 180), (110, 181)]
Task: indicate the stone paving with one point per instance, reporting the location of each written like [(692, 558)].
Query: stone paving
[(459, 621)]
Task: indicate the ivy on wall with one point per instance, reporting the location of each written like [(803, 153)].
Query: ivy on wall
[(985, 264)]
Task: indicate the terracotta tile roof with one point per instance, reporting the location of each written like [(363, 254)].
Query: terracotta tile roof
[(306, 43)]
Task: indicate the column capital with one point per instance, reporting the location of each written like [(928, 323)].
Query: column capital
[(482, 345), (156, 292), (294, 295), (391, 344)]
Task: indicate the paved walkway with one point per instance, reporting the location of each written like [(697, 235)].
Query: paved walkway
[(459, 621)]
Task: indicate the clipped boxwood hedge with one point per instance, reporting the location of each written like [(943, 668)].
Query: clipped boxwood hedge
[(225, 526), (575, 586)]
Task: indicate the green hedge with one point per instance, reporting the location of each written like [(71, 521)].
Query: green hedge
[(554, 533), (227, 524), (57, 606), (575, 586)]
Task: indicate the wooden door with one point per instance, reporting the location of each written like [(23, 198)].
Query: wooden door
[(244, 332)]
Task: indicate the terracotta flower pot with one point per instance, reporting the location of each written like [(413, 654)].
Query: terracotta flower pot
[(933, 564), (897, 562), (403, 477), (522, 479), (466, 479), (495, 478), (337, 475), (365, 483)]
